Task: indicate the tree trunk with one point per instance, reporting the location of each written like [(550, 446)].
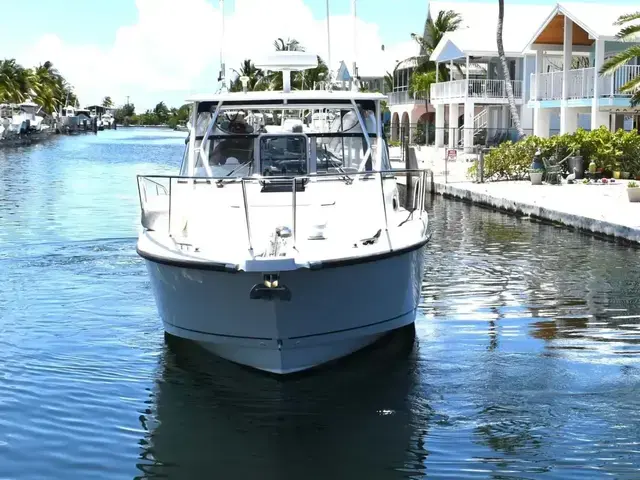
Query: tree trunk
[(505, 72)]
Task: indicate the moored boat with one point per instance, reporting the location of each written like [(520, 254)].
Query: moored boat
[(284, 246)]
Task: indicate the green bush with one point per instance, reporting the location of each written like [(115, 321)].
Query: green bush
[(619, 151)]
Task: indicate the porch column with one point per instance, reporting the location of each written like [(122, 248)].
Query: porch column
[(437, 71), (598, 118), (539, 67), (469, 115), (526, 112), (567, 50), (541, 122), (453, 125), (439, 126), (466, 90)]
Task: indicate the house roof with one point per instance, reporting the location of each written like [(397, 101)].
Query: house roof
[(477, 33), (596, 21)]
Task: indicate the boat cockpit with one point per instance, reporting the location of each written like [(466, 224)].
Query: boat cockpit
[(307, 138)]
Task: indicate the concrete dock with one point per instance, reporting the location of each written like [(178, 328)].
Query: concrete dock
[(599, 209)]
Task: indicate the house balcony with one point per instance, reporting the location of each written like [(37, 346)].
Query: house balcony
[(406, 98), (479, 90), (581, 84)]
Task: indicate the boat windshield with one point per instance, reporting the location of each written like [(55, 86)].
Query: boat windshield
[(285, 142)]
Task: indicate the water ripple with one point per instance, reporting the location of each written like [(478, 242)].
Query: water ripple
[(524, 362)]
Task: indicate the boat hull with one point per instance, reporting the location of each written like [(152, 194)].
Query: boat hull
[(331, 312)]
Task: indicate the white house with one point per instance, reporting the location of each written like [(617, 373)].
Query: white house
[(478, 104), (473, 108), (579, 96)]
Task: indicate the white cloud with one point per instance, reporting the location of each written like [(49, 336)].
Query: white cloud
[(173, 49)]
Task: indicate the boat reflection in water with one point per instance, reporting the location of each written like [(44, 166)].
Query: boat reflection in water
[(213, 419)]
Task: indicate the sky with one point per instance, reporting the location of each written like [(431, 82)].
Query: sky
[(166, 50)]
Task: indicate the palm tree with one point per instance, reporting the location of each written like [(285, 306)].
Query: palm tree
[(274, 79), (627, 32), (8, 80), (255, 75), (43, 84), (388, 82), (505, 72), (107, 102), (446, 21), (308, 78), (291, 45)]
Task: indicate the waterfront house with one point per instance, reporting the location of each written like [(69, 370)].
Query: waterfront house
[(472, 107), (579, 96)]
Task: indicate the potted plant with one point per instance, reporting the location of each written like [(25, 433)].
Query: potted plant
[(535, 174), (633, 190)]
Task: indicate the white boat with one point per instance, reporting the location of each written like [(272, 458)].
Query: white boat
[(85, 119), (108, 120), (285, 247), (22, 123), (68, 121)]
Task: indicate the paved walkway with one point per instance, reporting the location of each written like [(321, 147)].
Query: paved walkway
[(433, 159), (600, 209)]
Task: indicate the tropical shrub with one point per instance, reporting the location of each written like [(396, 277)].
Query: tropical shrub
[(611, 151)]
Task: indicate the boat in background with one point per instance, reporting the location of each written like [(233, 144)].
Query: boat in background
[(23, 124), (68, 121), (286, 246), (109, 120)]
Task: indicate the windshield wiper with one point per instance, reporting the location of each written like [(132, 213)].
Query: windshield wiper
[(220, 182)]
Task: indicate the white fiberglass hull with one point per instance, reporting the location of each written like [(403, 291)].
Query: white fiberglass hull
[(332, 312)]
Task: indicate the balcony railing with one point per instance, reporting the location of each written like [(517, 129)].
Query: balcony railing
[(404, 97), (581, 83), (474, 88)]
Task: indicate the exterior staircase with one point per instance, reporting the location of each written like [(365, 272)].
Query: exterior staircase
[(480, 123)]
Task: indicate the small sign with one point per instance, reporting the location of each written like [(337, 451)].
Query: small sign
[(452, 155)]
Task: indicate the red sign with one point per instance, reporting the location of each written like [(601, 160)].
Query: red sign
[(452, 154)]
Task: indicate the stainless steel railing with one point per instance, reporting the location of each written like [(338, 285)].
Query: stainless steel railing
[(415, 190)]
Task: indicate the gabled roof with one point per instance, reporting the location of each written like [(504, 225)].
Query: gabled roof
[(595, 19), (477, 34)]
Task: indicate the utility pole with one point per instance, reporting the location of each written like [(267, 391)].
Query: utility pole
[(127, 99)]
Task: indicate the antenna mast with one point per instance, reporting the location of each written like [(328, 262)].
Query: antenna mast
[(328, 44), (223, 69), (355, 42)]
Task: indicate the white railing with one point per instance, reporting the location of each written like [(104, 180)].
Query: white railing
[(581, 83), (610, 85), (480, 122), (170, 203), (475, 88), (549, 85), (404, 97), (453, 89)]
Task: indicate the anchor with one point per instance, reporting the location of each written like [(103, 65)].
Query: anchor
[(270, 289)]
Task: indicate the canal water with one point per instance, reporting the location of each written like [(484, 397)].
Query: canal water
[(524, 363)]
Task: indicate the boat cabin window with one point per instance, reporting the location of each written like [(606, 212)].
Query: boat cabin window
[(246, 142), (283, 154)]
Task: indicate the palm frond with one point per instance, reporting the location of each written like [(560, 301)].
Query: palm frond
[(620, 60), (629, 33), (632, 86), (629, 17)]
